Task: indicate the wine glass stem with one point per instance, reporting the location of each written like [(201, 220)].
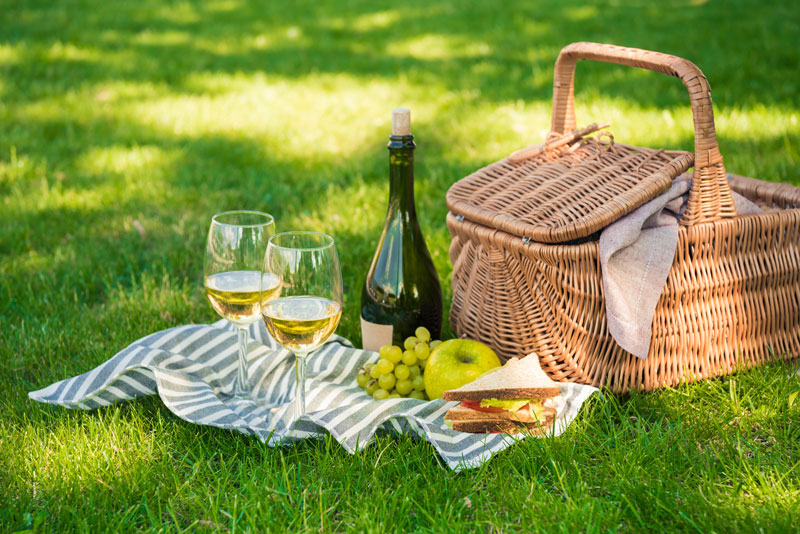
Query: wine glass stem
[(300, 385), (241, 389)]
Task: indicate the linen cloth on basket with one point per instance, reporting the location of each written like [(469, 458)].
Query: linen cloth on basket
[(193, 369), (636, 253)]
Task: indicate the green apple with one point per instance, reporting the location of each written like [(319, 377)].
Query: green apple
[(457, 362)]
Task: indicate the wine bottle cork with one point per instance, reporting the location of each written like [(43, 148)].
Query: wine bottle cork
[(401, 121)]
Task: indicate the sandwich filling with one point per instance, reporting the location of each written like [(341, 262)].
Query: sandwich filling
[(532, 407)]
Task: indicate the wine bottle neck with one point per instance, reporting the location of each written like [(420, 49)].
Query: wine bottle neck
[(401, 174)]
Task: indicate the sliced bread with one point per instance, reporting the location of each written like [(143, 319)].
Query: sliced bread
[(517, 379), (482, 426)]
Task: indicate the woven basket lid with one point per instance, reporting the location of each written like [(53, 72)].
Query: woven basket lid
[(566, 194)]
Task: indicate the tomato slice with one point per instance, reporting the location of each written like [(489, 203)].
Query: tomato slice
[(473, 405)]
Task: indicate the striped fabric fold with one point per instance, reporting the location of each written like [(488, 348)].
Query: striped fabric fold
[(193, 370)]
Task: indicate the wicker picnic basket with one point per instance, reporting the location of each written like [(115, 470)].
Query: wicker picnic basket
[(526, 275)]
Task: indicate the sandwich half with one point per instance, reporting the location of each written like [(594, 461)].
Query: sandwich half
[(507, 399)]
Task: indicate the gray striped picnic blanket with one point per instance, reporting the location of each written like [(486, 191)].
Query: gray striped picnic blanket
[(193, 369)]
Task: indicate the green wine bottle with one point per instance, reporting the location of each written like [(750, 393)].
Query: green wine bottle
[(402, 290)]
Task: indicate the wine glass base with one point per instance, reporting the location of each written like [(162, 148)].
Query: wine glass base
[(241, 394)]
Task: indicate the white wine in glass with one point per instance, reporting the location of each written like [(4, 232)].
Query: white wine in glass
[(302, 324), (238, 295), (234, 282), (308, 309)]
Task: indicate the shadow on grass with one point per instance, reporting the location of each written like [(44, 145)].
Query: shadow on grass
[(502, 54)]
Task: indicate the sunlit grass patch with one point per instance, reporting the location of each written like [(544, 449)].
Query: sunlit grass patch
[(66, 52), (152, 161), (321, 116), (9, 54), (372, 21), (432, 46), (76, 455)]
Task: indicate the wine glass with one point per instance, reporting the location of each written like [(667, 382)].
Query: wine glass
[(309, 307), (235, 285)]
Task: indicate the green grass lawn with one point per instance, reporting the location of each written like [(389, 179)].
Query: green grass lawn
[(125, 125)]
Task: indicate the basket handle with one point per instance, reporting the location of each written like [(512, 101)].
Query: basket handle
[(710, 197)]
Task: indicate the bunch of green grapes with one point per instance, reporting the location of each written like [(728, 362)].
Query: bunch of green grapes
[(399, 372)]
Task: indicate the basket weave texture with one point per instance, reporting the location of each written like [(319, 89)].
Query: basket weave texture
[(569, 195), (732, 297)]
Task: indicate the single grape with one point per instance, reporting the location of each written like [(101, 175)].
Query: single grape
[(423, 334), (368, 367), (380, 394), (410, 343), (387, 381), (374, 372), (395, 396), (418, 395), (362, 378), (422, 351), (394, 353), (414, 371), (372, 387), (383, 350), (418, 384), (409, 357), (402, 371), (384, 366), (404, 387), (435, 344)]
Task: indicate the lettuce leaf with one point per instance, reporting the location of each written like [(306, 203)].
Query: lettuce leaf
[(535, 406)]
